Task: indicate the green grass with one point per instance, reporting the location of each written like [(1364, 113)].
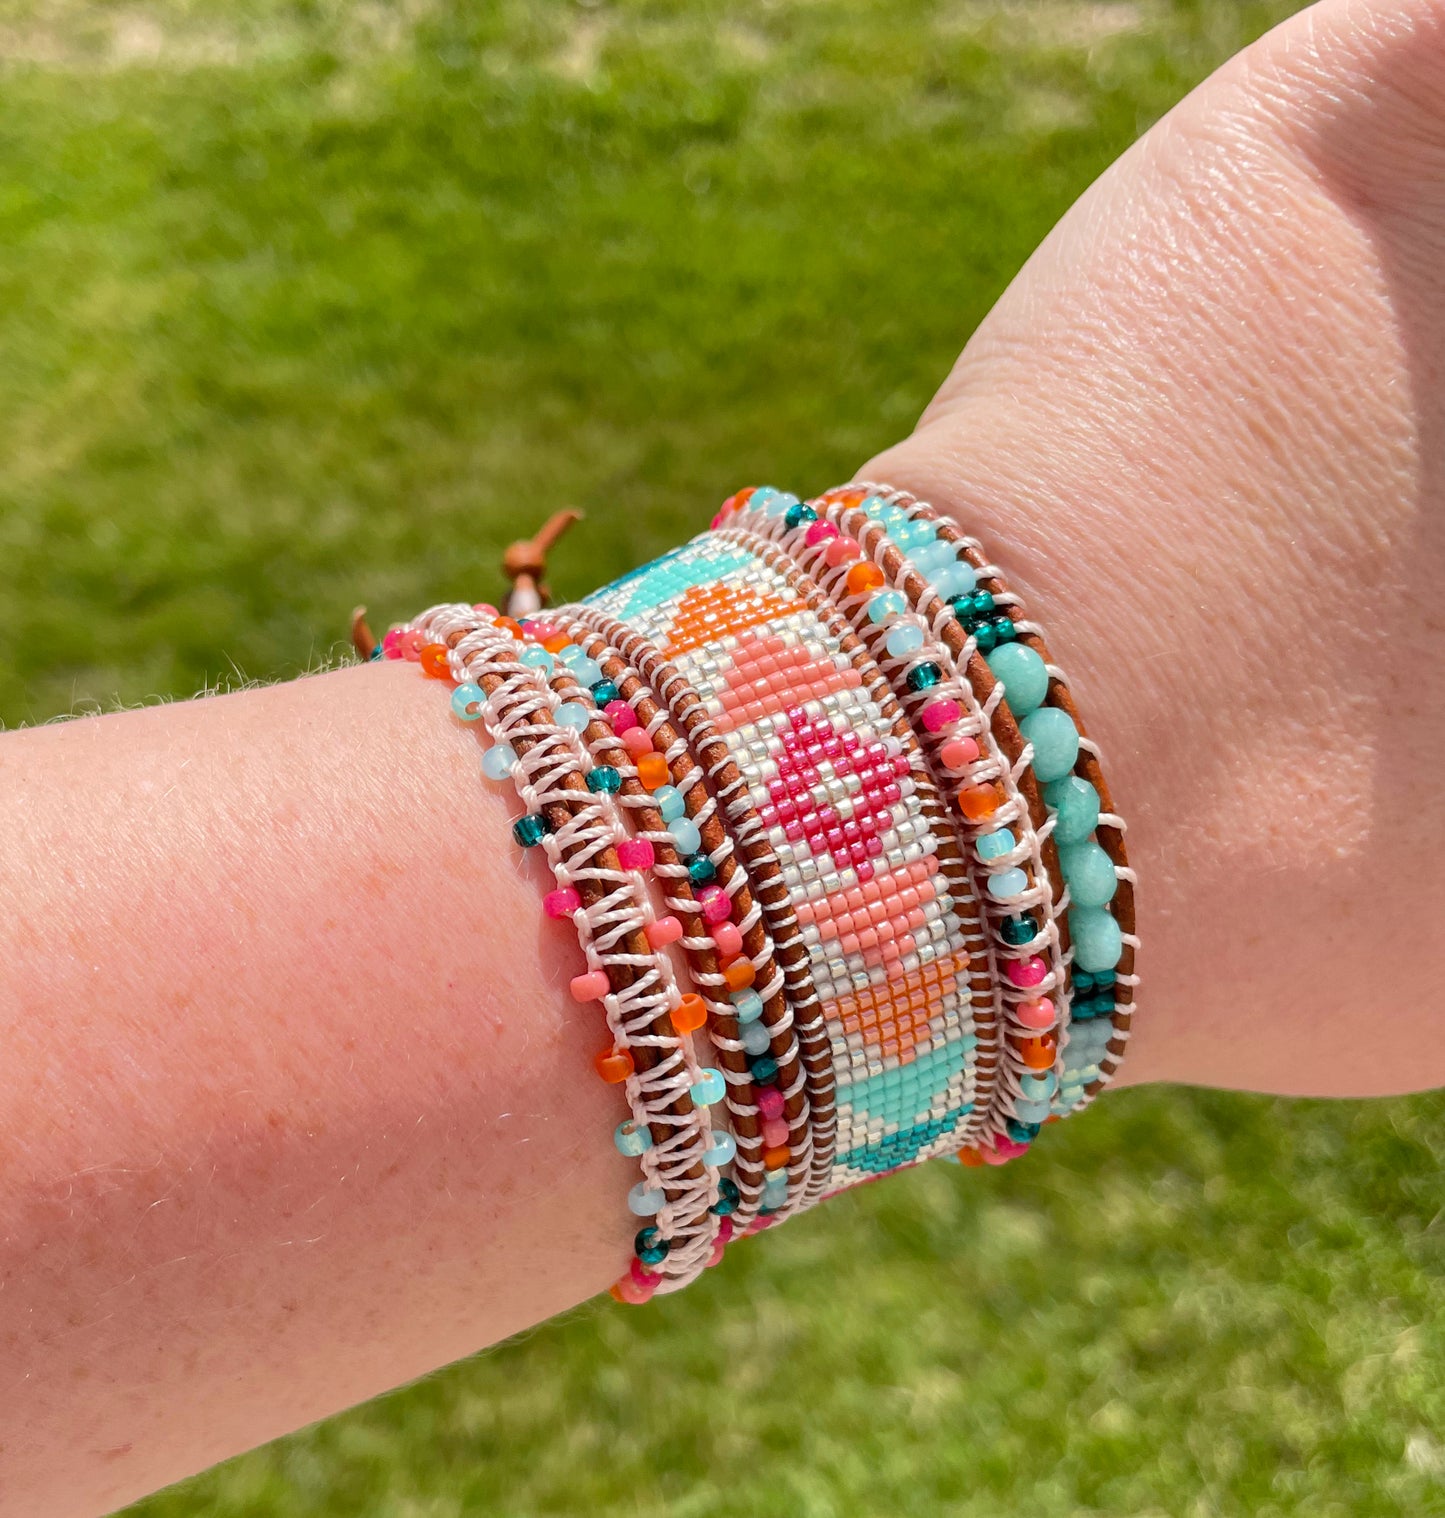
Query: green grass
[(304, 304)]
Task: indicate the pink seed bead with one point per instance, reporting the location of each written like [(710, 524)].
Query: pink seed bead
[(728, 937), (1038, 1015), (636, 854), (391, 644), (1027, 972), (725, 1229), (485, 608), (541, 631), (561, 903), (620, 715), (938, 714), (770, 1102), (636, 741), (665, 930), (841, 550), (819, 532), (775, 1133), (642, 1275), (718, 520), (1009, 1149), (716, 1254), (411, 645), (992, 1156), (628, 1290), (592, 986), (715, 904), (958, 753)]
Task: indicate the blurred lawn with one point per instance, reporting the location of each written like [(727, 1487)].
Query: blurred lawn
[(306, 303)]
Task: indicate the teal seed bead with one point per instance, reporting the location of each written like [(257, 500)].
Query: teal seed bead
[(797, 514), (992, 845), (1097, 939), (604, 780), (1055, 740), (1007, 883), (904, 640), (756, 1038), (728, 1197), (530, 830), (686, 835), (748, 1005), (958, 578), (1018, 930), (534, 656), (1082, 980), (764, 1070), (708, 1088), (1021, 1133), (632, 1138), (467, 700), (1024, 677), (701, 869), (887, 603), (1004, 631), (1077, 804), (603, 691), (668, 800), (1104, 978), (924, 677), (1089, 872), (651, 1247), (498, 760)]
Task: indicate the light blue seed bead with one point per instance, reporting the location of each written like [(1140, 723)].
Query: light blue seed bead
[(992, 845), (1024, 676), (467, 702), (775, 1186), (887, 603), (1007, 884), (534, 656), (1090, 874), (646, 1201), (760, 498), (572, 654), (668, 800), (685, 834), (1055, 740), (1031, 1112), (957, 579), (571, 714), (755, 1038), (748, 1005), (1038, 1087), (1077, 804), (632, 1138), (904, 640), (721, 1150), (1097, 940), (708, 1088), (929, 558), (778, 505), (498, 760), (587, 672)]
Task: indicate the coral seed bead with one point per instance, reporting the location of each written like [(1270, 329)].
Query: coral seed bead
[(728, 937), (958, 753), (1037, 1016), (663, 931), (614, 1065), (637, 741), (435, 660), (689, 1014), (864, 577), (979, 802), (591, 986)]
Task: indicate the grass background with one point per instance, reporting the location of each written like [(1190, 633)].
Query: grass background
[(308, 303)]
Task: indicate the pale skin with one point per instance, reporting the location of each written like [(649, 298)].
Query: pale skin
[(295, 1105)]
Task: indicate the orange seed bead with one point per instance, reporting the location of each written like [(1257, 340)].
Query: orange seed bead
[(979, 802), (1038, 1053), (776, 1159), (864, 576), (509, 624), (689, 1014), (614, 1065), (556, 643), (434, 661), (739, 973), (652, 770)]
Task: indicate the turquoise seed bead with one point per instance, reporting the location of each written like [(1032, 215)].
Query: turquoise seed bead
[(668, 800), (646, 1201), (632, 1138), (603, 691), (572, 654), (904, 640), (1097, 940), (873, 506), (756, 1038), (1090, 874), (1024, 677), (686, 835), (467, 702), (534, 656), (1038, 1087), (708, 1088), (571, 714), (887, 603), (1007, 883), (701, 869), (748, 1005), (1055, 740), (498, 760), (929, 558), (958, 578), (992, 845), (1076, 803), (604, 780), (721, 1150), (530, 830)]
